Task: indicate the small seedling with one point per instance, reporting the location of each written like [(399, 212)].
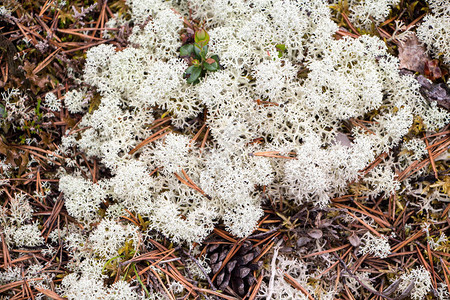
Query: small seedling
[(197, 55), (281, 48)]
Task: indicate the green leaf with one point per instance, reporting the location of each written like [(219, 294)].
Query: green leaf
[(211, 67), (36, 110), (196, 72), (281, 47), (201, 37), (140, 281), (186, 50), (204, 52), (198, 50), (189, 71), (215, 57)]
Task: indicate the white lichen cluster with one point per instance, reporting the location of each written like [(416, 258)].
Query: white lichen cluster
[(377, 246), (16, 110), (434, 31), (33, 274), (87, 284), (16, 222), (292, 102), (345, 79), (92, 254), (281, 287), (416, 147), (420, 278), (75, 101), (364, 13)]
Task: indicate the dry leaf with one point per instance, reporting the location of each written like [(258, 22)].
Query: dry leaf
[(342, 139), (24, 159), (315, 233), (438, 92), (432, 69), (354, 240), (411, 54), (302, 241), (10, 153), (28, 68)]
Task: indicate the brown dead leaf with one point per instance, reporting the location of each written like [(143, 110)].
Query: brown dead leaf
[(315, 233), (39, 81), (302, 241), (4, 149), (438, 92), (24, 159), (42, 81), (70, 122), (354, 240), (411, 54), (28, 68), (10, 153), (433, 71)]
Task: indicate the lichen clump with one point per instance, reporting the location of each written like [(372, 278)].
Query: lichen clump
[(314, 85), (286, 85)]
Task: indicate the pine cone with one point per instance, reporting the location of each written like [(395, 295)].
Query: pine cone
[(238, 270)]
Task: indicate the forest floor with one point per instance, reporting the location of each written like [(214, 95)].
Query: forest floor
[(43, 48)]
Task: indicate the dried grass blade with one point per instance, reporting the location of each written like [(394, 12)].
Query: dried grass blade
[(364, 224), (430, 155), (161, 282), (150, 139), (446, 273), (346, 33), (215, 293), (256, 288), (204, 139), (12, 285), (49, 293), (295, 284), (86, 46), (84, 36), (197, 134), (5, 252), (325, 251), (224, 235), (46, 61), (380, 222), (407, 241)]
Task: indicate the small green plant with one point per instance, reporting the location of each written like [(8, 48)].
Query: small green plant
[(197, 55), (281, 48)]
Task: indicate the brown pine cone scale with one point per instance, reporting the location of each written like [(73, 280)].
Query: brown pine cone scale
[(237, 273)]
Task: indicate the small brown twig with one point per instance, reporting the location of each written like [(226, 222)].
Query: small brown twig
[(350, 24)]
